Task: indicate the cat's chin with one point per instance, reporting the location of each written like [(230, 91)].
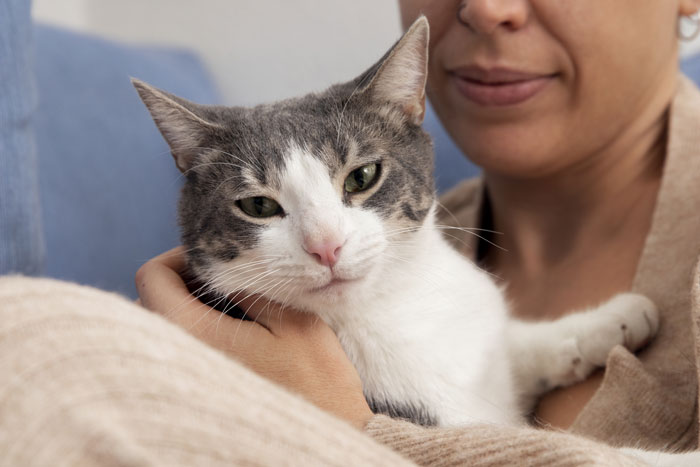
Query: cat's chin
[(335, 285), (335, 292)]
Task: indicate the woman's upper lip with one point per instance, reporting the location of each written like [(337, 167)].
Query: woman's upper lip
[(495, 75)]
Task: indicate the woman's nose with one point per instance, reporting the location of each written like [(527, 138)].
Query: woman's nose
[(489, 16)]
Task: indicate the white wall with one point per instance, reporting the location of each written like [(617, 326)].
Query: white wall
[(258, 50)]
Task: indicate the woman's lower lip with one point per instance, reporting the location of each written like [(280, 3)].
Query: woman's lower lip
[(500, 94)]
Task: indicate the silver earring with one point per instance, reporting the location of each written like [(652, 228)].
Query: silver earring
[(689, 26)]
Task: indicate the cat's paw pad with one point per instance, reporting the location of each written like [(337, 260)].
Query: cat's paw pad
[(627, 319), (573, 367)]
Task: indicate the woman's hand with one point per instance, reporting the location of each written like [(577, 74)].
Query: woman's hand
[(294, 349)]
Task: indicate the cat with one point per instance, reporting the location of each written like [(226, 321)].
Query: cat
[(326, 203)]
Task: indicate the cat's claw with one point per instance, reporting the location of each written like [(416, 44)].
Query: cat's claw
[(627, 319)]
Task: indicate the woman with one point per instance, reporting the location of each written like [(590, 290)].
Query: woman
[(576, 113)]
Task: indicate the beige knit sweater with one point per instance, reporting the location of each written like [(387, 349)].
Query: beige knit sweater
[(88, 378)]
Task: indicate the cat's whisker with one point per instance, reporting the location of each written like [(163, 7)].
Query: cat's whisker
[(260, 290), (444, 208), (232, 305), (259, 297), (247, 163), (207, 284), (269, 298), (250, 282), (272, 297), (214, 302), (240, 269), (245, 268), (390, 233), (440, 227), (461, 241), (472, 232), (479, 237), (467, 229), (243, 317)]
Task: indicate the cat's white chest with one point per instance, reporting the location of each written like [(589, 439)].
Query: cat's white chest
[(432, 339)]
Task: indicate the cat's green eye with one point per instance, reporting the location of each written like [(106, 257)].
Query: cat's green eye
[(362, 178), (259, 206)]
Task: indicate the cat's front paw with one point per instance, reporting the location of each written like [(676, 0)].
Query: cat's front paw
[(627, 319)]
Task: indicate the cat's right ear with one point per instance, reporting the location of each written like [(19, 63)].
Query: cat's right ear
[(401, 74), (183, 124)]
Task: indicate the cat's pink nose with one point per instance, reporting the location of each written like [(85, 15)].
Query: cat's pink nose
[(324, 252)]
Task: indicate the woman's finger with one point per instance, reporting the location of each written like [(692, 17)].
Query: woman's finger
[(160, 287), (162, 290)]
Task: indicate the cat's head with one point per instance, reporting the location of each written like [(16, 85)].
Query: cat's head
[(309, 199)]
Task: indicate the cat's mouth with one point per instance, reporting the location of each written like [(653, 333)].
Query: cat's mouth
[(334, 283)]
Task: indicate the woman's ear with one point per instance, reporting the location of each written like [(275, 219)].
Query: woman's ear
[(688, 7)]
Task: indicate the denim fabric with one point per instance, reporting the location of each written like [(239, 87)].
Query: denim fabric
[(21, 240)]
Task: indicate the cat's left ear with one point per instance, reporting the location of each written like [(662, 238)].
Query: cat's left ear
[(402, 74), (186, 126)]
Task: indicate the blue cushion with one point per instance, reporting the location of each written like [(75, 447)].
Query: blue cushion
[(109, 186), (21, 242)]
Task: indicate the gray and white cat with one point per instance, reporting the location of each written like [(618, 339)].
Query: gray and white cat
[(326, 203)]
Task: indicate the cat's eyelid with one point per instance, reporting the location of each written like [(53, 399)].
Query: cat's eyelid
[(256, 193), (360, 161)]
